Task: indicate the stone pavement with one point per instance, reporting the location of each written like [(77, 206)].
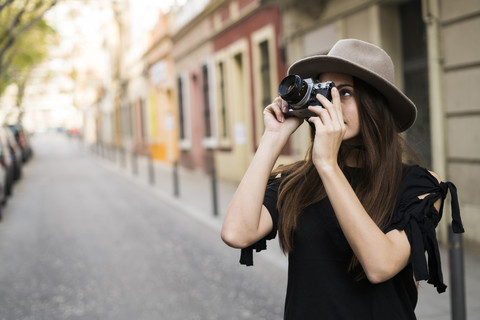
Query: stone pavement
[(195, 197)]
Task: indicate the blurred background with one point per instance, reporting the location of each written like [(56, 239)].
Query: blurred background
[(177, 87)]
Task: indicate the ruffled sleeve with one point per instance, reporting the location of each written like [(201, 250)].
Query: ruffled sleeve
[(419, 218), (270, 202)]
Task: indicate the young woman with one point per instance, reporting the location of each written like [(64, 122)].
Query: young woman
[(353, 217)]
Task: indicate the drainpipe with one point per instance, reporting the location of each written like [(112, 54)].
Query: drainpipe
[(431, 14)]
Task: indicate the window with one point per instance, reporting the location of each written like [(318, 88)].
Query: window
[(223, 128), (265, 73), (181, 108), (206, 102), (415, 74), (232, 99)]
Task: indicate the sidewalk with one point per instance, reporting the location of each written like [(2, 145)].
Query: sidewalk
[(195, 197)]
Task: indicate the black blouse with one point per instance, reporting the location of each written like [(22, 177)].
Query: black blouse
[(319, 284)]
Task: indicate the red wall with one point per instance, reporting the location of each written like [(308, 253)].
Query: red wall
[(243, 30)]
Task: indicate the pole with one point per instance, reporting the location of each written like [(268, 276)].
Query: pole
[(114, 153), (134, 163), (431, 17), (213, 175), (176, 189), (151, 171), (457, 276), (122, 157)]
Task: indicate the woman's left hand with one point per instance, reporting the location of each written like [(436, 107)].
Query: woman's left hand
[(329, 130)]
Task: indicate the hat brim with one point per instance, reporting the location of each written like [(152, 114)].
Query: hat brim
[(402, 108)]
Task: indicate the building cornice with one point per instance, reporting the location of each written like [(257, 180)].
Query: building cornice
[(195, 21)]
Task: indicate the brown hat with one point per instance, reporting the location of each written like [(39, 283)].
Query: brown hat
[(367, 62)]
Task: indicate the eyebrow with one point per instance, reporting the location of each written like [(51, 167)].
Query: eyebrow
[(344, 85)]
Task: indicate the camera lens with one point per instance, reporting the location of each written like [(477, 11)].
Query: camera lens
[(292, 89)]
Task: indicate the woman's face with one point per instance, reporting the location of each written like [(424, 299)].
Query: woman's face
[(344, 84)]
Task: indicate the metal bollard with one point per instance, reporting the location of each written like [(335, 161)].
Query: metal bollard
[(134, 163), (214, 191), (176, 191), (151, 171), (123, 161), (457, 276), (114, 154)]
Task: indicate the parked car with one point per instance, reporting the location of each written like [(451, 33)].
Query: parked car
[(3, 197), (15, 152), (7, 163), (23, 140), (6, 170)]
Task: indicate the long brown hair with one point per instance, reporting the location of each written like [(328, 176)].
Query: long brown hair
[(380, 157)]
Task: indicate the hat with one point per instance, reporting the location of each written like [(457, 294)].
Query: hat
[(367, 62)]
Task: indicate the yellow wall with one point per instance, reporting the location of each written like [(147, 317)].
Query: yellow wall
[(162, 126)]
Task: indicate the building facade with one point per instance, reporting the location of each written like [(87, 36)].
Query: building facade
[(435, 67), (229, 56), (191, 53), (227, 63), (248, 66), (454, 33), (163, 142)]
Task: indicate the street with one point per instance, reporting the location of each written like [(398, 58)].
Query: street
[(78, 241)]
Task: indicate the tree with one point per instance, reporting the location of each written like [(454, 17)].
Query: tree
[(23, 33)]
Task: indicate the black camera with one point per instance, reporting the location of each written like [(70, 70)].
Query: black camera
[(300, 93)]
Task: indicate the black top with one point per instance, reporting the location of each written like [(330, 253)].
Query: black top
[(319, 284)]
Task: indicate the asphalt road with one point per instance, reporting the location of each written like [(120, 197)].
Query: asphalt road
[(79, 242)]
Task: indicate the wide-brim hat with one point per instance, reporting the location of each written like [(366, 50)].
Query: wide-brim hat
[(367, 62)]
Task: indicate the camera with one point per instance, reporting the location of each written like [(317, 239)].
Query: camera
[(300, 93)]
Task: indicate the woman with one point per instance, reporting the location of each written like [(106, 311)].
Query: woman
[(354, 219)]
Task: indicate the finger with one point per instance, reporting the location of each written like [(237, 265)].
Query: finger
[(323, 100), (284, 105), (275, 110), (337, 104), (323, 117), (333, 107), (321, 112), (314, 121)]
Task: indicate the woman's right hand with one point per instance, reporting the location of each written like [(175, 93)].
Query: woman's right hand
[(246, 222), (275, 119)]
